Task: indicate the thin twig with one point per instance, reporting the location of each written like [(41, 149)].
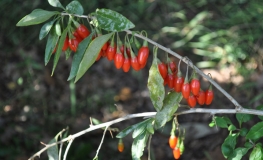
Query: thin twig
[(149, 114), (149, 147), (102, 139), (67, 149)]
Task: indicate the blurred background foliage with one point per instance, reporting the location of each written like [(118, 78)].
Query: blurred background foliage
[(215, 34)]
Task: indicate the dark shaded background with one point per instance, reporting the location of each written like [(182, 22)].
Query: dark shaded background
[(34, 106)]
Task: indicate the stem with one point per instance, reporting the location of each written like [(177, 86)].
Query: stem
[(98, 150), (72, 87), (67, 149), (149, 147)]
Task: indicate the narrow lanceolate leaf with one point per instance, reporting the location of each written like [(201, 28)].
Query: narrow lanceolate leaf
[(79, 55), (257, 153), (51, 44), (255, 132), (229, 145), (141, 128), (129, 129), (170, 105), (91, 54), (45, 29), (59, 49), (75, 7), (112, 21), (52, 152), (138, 145), (221, 122), (150, 128), (155, 85), (37, 16), (55, 3)]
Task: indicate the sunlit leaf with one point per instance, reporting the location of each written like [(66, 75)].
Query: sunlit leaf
[(75, 7), (91, 54), (155, 84), (82, 47), (45, 29), (238, 153), (129, 129), (55, 3), (112, 21), (58, 28), (257, 153), (138, 145), (51, 44), (170, 105), (229, 145), (37, 16)]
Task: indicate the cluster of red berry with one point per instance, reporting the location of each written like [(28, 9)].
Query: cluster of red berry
[(75, 38), (123, 55), (192, 91)]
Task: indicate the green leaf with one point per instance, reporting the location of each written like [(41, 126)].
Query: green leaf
[(59, 49), (257, 153), (243, 131), (238, 153), (170, 105), (82, 47), (260, 108), (113, 21), (229, 145), (248, 145), (52, 152), (243, 118), (91, 54), (37, 16), (138, 145), (55, 3), (68, 53), (138, 130), (51, 44), (150, 128), (155, 85), (231, 127), (255, 132), (221, 122), (45, 29), (75, 7), (129, 129), (58, 28)]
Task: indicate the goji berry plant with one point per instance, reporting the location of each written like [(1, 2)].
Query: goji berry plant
[(101, 39)]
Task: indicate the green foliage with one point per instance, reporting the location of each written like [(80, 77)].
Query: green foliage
[(37, 16), (155, 84), (51, 44), (112, 21), (91, 54), (170, 105), (75, 7)]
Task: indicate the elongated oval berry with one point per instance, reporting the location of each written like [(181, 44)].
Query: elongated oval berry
[(191, 101), (173, 141), (135, 64), (105, 46), (173, 66), (195, 86), (209, 96), (200, 98), (163, 69), (83, 31), (126, 65), (73, 44), (178, 83), (186, 90), (120, 146), (111, 51), (170, 80), (176, 153), (118, 60), (143, 55), (65, 46)]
